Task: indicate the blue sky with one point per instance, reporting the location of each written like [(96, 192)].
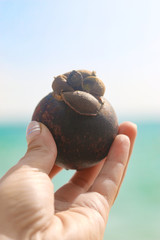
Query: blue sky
[(120, 40)]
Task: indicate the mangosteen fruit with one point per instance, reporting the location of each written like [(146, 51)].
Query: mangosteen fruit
[(82, 122)]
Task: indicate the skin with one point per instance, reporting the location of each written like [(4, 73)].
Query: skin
[(78, 210)]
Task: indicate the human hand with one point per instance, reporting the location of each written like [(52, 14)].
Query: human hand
[(79, 210)]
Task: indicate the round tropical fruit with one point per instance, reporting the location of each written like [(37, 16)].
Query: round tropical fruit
[(82, 122)]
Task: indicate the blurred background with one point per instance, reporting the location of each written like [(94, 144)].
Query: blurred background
[(120, 40)]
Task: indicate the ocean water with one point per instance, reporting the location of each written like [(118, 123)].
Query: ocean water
[(136, 212)]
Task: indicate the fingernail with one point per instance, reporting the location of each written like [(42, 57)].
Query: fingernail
[(33, 129)]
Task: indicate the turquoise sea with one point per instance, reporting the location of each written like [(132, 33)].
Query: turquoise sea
[(136, 212)]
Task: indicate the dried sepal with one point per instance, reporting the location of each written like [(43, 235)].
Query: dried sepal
[(94, 85), (60, 84), (82, 102), (75, 80)]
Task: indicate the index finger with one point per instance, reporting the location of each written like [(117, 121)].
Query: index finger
[(108, 181), (130, 130)]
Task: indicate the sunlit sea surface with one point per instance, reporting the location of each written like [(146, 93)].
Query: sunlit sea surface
[(136, 212)]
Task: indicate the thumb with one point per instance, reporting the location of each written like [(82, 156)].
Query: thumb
[(42, 150)]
